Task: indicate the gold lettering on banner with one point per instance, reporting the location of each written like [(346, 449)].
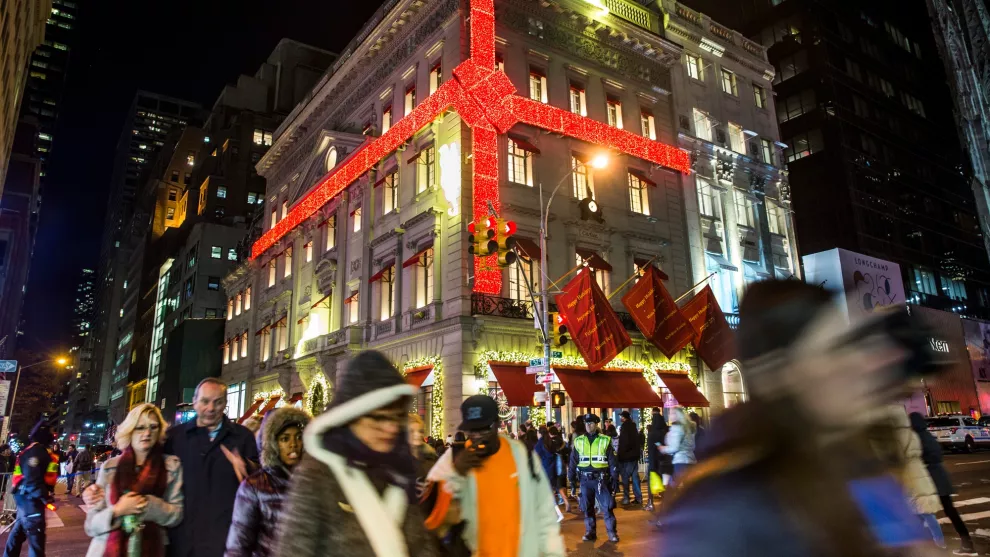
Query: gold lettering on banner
[(674, 332)]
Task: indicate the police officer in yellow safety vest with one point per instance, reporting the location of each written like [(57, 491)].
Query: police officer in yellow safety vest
[(591, 463), (35, 472)]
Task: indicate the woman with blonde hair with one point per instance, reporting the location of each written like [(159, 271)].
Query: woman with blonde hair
[(679, 441), (143, 491)]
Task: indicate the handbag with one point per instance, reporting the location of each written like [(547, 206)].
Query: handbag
[(656, 484)]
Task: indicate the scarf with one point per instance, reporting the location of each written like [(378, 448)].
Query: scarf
[(396, 467), (152, 479)]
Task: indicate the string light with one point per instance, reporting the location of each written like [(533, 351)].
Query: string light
[(436, 396), (318, 395)]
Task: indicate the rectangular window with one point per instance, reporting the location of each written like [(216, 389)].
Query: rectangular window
[(803, 145), (287, 271), (427, 169), (737, 139), (913, 104), (216, 252), (578, 98), (173, 194), (424, 278), (639, 198), (695, 68), (230, 309), (386, 287), (776, 218), (955, 289), (266, 344), (226, 352), (708, 200), (390, 193), (232, 254), (520, 164), (745, 211), (796, 105), (187, 178), (213, 283), (436, 78), (356, 220), (238, 303), (247, 299), (924, 281), (648, 125), (601, 275), (538, 85), (191, 158), (244, 345), (702, 126), (262, 137), (330, 241), (499, 63), (283, 336), (860, 107), (729, 83), (352, 309), (582, 179), (760, 96), (222, 192), (853, 69), (308, 248), (518, 274), (271, 271), (285, 209), (170, 213), (409, 100), (175, 176), (766, 149), (386, 119), (614, 108), (791, 66)]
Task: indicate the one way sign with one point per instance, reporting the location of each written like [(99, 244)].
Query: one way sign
[(8, 365)]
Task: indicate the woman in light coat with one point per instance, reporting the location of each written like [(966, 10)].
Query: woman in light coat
[(679, 441), (143, 488)]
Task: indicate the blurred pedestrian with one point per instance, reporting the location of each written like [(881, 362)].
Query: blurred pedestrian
[(69, 464), (577, 429), (628, 456), (143, 491), (261, 496), (354, 493), (592, 461), (791, 472), (82, 467), (656, 461), (931, 454), (35, 474), (504, 502), (699, 429), (562, 457), (547, 452), (424, 454), (679, 441), (531, 439)]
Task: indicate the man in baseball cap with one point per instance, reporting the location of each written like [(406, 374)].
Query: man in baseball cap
[(504, 499), (591, 463)]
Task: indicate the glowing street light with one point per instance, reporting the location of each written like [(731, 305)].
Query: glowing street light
[(600, 161)]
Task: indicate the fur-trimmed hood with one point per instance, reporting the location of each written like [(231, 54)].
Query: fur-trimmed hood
[(273, 424)]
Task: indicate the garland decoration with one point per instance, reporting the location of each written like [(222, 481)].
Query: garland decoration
[(435, 427), (318, 395)]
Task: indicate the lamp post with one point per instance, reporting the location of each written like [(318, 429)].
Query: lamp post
[(599, 162), (61, 361)]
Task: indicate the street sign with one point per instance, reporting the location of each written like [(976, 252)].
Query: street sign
[(548, 378), (533, 370), (556, 354), (538, 362), (8, 365)]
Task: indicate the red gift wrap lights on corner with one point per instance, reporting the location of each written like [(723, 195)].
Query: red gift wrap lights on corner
[(485, 99)]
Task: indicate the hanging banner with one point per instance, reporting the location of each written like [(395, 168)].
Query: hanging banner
[(714, 342), (4, 396), (591, 322), (657, 315)]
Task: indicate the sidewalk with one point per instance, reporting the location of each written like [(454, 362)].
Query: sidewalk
[(637, 535), (66, 537)]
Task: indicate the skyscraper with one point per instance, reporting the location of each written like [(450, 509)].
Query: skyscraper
[(85, 302), (149, 120)]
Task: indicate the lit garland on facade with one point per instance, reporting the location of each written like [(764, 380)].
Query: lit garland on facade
[(485, 99), (436, 396), (266, 396), (318, 395)]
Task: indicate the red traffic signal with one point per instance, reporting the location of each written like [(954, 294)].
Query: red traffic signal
[(482, 239)]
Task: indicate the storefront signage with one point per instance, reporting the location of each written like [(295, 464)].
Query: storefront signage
[(715, 342), (867, 283), (939, 345), (657, 315), (594, 326)]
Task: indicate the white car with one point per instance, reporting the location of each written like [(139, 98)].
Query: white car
[(959, 432)]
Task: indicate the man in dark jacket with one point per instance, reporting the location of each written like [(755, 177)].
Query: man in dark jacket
[(628, 456), (82, 468), (35, 475), (70, 463)]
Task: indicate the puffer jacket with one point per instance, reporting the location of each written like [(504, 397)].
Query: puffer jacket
[(258, 507), (914, 474), (679, 443)]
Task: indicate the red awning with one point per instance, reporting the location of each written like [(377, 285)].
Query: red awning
[(416, 376), (295, 398), (642, 176), (250, 411), (594, 260), (607, 388), (385, 268), (415, 259), (528, 248), (351, 297), (263, 330), (524, 144), (683, 389), (322, 300), (301, 319), (271, 405), (642, 263), (515, 384)]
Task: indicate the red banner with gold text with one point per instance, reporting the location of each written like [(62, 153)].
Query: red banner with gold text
[(715, 341), (591, 322), (657, 315)]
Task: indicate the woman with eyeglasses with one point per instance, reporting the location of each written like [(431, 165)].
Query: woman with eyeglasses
[(143, 491), (354, 493)]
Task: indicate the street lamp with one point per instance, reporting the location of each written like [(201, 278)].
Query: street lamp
[(600, 161), (61, 361)]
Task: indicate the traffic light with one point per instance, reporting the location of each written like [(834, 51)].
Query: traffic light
[(559, 329), (506, 242), (482, 239), (557, 399)]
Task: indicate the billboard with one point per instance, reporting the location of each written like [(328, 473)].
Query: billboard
[(977, 335), (867, 282)]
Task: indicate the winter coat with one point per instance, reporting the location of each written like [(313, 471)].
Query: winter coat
[(931, 455), (914, 474), (210, 485), (630, 448), (679, 442), (83, 461), (166, 512), (657, 461), (549, 460)]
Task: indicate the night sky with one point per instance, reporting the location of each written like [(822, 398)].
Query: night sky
[(183, 48)]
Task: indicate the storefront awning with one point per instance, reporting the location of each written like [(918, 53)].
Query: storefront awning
[(252, 410), (529, 249), (271, 405), (524, 144), (386, 267), (517, 387), (419, 254), (324, 300), (607, 389), (594, 260), (295, 398), (683, 389), (417, 375), (642, 176), (642, 263)]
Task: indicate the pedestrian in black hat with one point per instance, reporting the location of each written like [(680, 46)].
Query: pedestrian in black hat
[(35, 474), (592, 461)]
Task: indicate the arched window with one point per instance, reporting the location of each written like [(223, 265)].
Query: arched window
[(331, 158), (733, 390)]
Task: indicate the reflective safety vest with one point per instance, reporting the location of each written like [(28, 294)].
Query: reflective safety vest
[(592, 453), (51, 471)]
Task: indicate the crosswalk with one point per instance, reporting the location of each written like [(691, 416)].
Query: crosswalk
[(972, 511)]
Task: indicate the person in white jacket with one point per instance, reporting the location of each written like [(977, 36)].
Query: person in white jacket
[(495, 490), (679, 441)]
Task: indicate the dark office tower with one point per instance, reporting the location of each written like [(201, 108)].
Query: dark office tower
[(46, 75), (82, 310), (874, 159), (149, 121)]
